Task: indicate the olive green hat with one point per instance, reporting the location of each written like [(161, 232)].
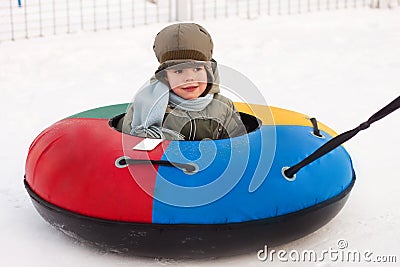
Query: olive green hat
[(183, 41)]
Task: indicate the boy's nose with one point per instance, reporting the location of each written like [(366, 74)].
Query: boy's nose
[(189, 78)]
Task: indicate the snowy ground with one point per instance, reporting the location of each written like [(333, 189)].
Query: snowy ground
[(340, 66)]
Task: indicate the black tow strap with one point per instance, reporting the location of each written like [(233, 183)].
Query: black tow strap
[(340, 139)]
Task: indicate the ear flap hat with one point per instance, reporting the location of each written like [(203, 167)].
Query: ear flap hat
[(182, 45)]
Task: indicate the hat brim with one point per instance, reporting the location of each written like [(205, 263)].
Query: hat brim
[(182, 64)]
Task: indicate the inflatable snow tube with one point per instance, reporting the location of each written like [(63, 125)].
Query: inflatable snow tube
[(82, 178)]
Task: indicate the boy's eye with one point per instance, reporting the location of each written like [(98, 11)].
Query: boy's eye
[(178, 71), (198, 69)]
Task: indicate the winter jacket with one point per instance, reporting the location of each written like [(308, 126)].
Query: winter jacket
[(218, 120)]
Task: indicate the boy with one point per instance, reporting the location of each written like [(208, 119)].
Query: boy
[(183, 102)]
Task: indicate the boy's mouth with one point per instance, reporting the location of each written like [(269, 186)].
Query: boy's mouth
[(190, 88)]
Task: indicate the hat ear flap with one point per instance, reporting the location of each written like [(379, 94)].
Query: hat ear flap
[(208, 88), (161, 75)]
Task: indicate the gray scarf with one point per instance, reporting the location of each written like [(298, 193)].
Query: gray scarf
[(150, 105)]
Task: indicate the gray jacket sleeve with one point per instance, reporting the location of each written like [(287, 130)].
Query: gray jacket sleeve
[(233, 123)]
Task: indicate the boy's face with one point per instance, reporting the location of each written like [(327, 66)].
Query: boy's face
[(188, 83)]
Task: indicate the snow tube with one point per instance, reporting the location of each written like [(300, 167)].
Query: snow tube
[(79, 180)]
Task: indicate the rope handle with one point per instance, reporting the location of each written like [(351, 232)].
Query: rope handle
[(188, 168)]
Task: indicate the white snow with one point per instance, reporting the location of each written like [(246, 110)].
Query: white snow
[(339, 66)]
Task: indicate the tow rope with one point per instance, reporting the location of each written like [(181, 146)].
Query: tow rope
[(340, 139)]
